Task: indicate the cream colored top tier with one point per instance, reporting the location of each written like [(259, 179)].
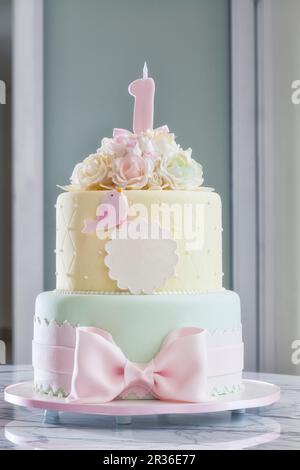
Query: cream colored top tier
[(192, 217)]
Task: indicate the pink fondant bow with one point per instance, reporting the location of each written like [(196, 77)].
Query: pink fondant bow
[(102, 372)]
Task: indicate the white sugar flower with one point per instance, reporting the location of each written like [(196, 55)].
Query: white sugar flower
[(147, 147), (94, 170), (167, 146), (107, 146), (181, 171), (156, 180)]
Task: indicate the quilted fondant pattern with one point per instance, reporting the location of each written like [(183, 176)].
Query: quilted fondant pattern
[(80, 257)]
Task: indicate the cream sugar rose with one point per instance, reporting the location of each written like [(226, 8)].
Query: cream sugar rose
[(138, 277)]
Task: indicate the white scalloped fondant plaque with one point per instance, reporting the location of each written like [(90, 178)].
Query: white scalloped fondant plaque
[(142, 261)]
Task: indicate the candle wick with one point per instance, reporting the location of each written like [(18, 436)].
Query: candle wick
[(145, 71)]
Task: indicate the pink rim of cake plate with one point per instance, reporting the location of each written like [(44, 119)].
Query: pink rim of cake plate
[(254, 394)]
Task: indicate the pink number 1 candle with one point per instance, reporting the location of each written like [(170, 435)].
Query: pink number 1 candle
[(143, 91)]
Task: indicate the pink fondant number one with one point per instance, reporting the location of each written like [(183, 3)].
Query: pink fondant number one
[(143, 91)]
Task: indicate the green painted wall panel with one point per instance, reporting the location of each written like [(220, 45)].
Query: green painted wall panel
[(95, 48)]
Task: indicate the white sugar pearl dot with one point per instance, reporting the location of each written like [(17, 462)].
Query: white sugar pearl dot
[(85, 277)]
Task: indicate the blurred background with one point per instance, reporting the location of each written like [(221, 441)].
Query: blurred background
[(224, 72)]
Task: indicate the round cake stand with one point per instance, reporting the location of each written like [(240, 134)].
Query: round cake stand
[(254, 394)]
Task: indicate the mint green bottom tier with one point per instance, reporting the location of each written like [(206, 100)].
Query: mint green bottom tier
[(138, 325)]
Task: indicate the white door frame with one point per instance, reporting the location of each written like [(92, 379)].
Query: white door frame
[(266, 190), (253, 169), (27, 170), (244, 170)]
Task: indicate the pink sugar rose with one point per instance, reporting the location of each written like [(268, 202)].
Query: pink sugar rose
[(122, 143), (131, 171)]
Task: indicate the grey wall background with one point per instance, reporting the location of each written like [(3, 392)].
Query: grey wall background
[(5, 171), (95, 48)]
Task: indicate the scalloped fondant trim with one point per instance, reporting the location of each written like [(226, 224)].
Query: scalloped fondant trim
[(226, 390), (39, 320), (60, 393), (50, 322), (48, 390)]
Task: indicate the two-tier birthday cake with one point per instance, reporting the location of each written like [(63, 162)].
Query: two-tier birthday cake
[(139, 310)]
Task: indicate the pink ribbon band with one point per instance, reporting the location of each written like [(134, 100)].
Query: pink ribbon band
[(98, 370), (60, 359)]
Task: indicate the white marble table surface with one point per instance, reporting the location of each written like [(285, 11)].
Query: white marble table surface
[(273, 427)]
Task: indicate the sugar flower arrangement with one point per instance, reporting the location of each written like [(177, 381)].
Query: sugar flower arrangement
[(148, 160)]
